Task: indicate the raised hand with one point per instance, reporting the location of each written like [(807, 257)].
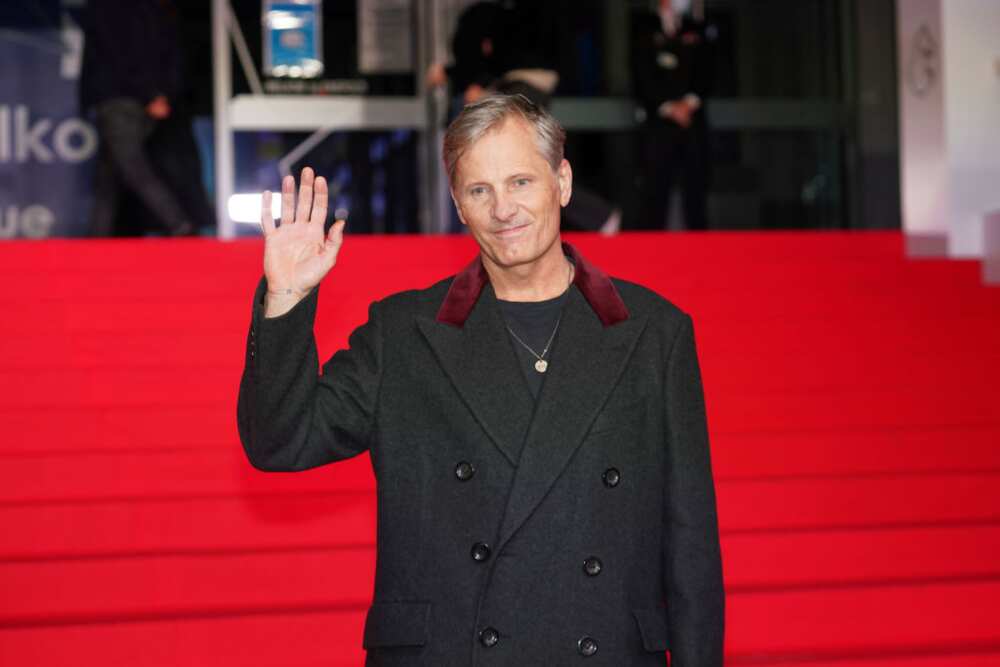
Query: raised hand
[(297, 253)]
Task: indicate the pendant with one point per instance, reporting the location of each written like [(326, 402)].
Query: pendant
[(541, 365)]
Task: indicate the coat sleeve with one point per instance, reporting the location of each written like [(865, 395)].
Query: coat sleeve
[(693, 562), (290, 417)]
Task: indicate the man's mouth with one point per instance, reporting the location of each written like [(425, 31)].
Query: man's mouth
[(512, 230)]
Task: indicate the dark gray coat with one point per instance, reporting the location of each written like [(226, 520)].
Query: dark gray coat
[(600, 539)]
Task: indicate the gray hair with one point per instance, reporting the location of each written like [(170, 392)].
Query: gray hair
[(490, 113)]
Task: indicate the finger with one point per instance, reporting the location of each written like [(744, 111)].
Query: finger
[(321, 197), (266, 218), (287, 200), (305, 195)]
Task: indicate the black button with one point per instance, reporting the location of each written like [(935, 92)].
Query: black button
[(611, 477), (592, 566), (587, 646), (464, 470), (251, 353), (489, 637), (480, 552)]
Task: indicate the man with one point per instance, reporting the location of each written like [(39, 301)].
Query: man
[(671, 69), (536, 428), (130, 77)]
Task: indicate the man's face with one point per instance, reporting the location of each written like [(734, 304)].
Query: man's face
[(509, 196)]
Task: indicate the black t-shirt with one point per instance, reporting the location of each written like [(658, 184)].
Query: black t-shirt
[(534, 323)]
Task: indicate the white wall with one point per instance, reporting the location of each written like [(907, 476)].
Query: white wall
[(922, 152), (949, 105), (972, 118)]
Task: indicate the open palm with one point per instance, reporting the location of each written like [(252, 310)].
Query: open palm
[(297, 253)]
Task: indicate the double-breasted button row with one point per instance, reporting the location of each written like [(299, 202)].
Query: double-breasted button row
[(253, 343), (480, 552), (611, 477), (464, 471), (489, 637)]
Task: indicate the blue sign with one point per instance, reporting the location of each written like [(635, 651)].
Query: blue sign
[(293, 38), (46, 148)]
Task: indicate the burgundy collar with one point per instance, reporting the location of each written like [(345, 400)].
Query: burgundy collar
[(594, 284)]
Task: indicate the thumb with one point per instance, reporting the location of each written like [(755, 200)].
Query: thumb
[(334, 239)]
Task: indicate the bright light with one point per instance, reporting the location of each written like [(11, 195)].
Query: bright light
[(279, 20), (246, 207)]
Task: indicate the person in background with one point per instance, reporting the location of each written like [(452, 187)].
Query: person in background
[(130, 77), (671, 72), (511, 48), (476, 63)]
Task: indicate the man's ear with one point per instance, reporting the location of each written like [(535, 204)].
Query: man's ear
[(565, 177)]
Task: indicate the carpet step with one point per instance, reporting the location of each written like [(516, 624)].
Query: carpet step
[(866, 620), (34, 473), (831, 452), (960, 655), (127, 526), (780, 502), (88, 590), (760, 408), (62, 428), (809, 354), (74, 587), (215, 472), (263, 638), (826, 517), (843, 558), (873, 501), (750, 444), (148, 313), (935, 617)]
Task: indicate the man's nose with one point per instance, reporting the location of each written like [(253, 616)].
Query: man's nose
[(504, 207)]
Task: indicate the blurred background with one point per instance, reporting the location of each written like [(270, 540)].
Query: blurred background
[(801, 127)]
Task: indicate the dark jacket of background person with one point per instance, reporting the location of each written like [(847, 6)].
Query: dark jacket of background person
[(654, 79), (598, 508), (670, 68), (148, 171), (130, 51), (477, 37), (493, 38)]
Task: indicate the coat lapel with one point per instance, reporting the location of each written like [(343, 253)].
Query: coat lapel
[(596, 338), (482, 365), (587, 361)]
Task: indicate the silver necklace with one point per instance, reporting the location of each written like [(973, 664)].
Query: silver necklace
[(541, 365)]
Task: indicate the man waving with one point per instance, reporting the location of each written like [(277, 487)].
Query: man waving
[(536, 428)]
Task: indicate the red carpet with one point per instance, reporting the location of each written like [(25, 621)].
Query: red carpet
[(854, 405)]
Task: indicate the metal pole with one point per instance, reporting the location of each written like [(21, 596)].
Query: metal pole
[(428, 169), (222, 83)]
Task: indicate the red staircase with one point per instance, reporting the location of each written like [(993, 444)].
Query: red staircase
[(854, 404)]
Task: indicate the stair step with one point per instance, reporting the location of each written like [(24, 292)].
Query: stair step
[(261, 638), (179, 525), (869, 620)]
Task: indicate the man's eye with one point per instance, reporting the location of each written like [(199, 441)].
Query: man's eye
[(521, 182), (476, 191)]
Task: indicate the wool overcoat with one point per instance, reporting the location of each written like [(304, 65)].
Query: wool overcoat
[(578, 528)]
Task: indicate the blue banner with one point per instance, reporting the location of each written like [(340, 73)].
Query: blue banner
[(46, 149)]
